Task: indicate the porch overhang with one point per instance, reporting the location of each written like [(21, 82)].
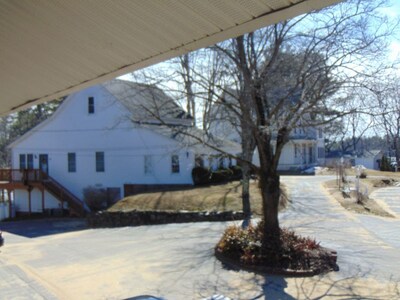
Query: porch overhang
[(51, 48)]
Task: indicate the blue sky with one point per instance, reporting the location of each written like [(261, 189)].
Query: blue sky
[(394, 12)]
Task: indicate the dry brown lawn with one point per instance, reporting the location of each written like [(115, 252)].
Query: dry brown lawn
[(352, 172), (225, 197), (375, 179)]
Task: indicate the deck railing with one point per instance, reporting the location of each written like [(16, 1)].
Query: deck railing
[(17, 175), (27, 177)]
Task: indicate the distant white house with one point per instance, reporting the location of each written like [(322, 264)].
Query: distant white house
[(116, 136), (306, 147), (370, 159)]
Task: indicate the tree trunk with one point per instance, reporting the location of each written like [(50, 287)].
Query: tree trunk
[(246, 195), (270, 192), (248, 146)]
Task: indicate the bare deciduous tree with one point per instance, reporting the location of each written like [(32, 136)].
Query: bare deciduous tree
[(289, 74), (387, 115)]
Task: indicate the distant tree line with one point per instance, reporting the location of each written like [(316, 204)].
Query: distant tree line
[(17, 124), (363, 144)]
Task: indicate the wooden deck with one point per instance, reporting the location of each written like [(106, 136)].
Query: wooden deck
[(13, 179)]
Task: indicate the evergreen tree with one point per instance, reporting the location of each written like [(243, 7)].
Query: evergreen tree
[(385, 164), (17, 124)]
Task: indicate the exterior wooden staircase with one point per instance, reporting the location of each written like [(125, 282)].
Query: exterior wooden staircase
[(14, 179), (76, 206)]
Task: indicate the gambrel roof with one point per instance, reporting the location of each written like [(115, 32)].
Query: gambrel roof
[(151, 108), (148, 103), (147, 106)]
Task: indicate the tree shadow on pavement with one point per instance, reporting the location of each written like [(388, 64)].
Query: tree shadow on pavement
[(205, 276), (315, 288), (43, 227)]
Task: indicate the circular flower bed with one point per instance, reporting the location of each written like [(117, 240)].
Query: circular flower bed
[(288, 254)]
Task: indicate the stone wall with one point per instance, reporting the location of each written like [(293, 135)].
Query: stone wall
[(137, 218)]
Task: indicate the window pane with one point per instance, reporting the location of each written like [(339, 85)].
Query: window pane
[(175, 163), (71, 162), (199, 161), (100, 162), (22, 161), (91, 105), (321, 152)]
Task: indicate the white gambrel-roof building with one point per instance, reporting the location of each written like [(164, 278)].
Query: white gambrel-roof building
[(108, 136)]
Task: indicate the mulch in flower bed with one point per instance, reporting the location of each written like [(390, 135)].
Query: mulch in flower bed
[(291, 255)]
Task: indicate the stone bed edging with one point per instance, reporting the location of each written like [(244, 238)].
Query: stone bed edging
[(103, 219)]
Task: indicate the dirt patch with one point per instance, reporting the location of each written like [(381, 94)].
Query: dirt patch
[(349, 199), (384, 182)]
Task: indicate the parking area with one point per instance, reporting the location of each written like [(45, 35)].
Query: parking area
[(62, 260)]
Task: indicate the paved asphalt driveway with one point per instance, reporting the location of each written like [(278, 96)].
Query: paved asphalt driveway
[(43, 260)]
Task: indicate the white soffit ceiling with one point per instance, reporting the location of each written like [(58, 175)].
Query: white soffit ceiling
[(49, 48)]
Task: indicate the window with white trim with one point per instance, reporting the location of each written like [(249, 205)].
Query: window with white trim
[(175, 168), (91, 105), (100, 163), (26, 161), (71, 162)]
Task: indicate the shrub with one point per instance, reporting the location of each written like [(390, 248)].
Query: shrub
[(238, 243), (221, 175), (236, 172), (385, 164), (95, 198), (201, 175), (363, 175), (291, 251)]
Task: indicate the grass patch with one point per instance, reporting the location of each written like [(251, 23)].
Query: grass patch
[(224, 197)]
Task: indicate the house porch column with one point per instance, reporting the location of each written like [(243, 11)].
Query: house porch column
[(30, 200), (9, 204), (43, 206)]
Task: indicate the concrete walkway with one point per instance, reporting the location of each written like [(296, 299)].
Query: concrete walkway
[(367, 245), (176, 261), (390, 196)]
